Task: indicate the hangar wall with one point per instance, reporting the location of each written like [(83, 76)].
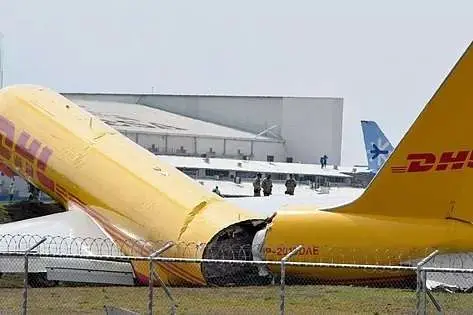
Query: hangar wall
[(252, 114), (310, 127), (180, 145)]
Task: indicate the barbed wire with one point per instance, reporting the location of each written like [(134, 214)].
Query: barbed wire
[(68, 245), (300, 291)]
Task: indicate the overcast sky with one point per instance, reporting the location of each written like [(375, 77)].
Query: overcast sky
[(385, 60)]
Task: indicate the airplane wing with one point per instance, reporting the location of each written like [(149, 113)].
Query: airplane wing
[(266, 206), (448, 281), (67, 233), (72, 232)]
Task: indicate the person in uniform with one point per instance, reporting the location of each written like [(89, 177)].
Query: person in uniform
[(290, 185), (267, 186), (257, 185)]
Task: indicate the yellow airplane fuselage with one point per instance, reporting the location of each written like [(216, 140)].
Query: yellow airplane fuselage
[(419, 201), (133, 196), (331, 237)]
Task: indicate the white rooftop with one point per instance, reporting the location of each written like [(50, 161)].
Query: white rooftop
[(143, 119), (358, 169), (245, 189), (250, 166), (303, 197)]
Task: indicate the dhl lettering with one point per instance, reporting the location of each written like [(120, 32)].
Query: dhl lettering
[(420, 162), (424, 162), (7, 133), (283, 251), (44, 158), (456, 161), (30, 158), (27, 152)]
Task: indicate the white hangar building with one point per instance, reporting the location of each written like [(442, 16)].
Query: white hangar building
[(279, 129)]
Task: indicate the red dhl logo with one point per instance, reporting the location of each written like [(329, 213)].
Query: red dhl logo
[(424, 162), (29, 157)]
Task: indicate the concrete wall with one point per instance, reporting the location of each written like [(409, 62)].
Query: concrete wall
[(310, 127)]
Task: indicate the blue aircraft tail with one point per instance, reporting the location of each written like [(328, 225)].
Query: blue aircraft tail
[(378, 148)]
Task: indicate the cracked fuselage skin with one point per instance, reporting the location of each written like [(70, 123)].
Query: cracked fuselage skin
[(409, 209), (132, 195)]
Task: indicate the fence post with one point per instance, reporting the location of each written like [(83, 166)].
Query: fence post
[(25, 276), (150, 286), (151, 274), (422, 283), (423, 277), (418, 290), (168, 293), (283, 277)]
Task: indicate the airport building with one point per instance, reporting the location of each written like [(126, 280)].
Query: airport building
[(165, 133), (217, 139), (279, 129)]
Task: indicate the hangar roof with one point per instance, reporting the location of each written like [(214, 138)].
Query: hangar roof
[(250, 166), (143, 119)]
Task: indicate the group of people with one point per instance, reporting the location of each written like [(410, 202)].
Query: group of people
[(267, 185)]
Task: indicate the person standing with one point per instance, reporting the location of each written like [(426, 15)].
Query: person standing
[(290, 185), (217, 191), (12, 189), (34, 192), (2, 183), (257, 185), (267, 185)]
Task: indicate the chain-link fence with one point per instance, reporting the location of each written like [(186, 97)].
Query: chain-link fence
[(68, 278)]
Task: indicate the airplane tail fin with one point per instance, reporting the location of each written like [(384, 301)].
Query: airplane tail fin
[(430, 173), (378, 148)]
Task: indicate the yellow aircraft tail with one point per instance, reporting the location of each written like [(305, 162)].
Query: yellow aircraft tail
[(430, 173)]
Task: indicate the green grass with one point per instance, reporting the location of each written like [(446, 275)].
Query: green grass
[(310, 299)]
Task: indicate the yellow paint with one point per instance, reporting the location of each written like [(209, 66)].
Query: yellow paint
[(443, 125), (400, 216), (132, 194), (128, 190), (346, 238)]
